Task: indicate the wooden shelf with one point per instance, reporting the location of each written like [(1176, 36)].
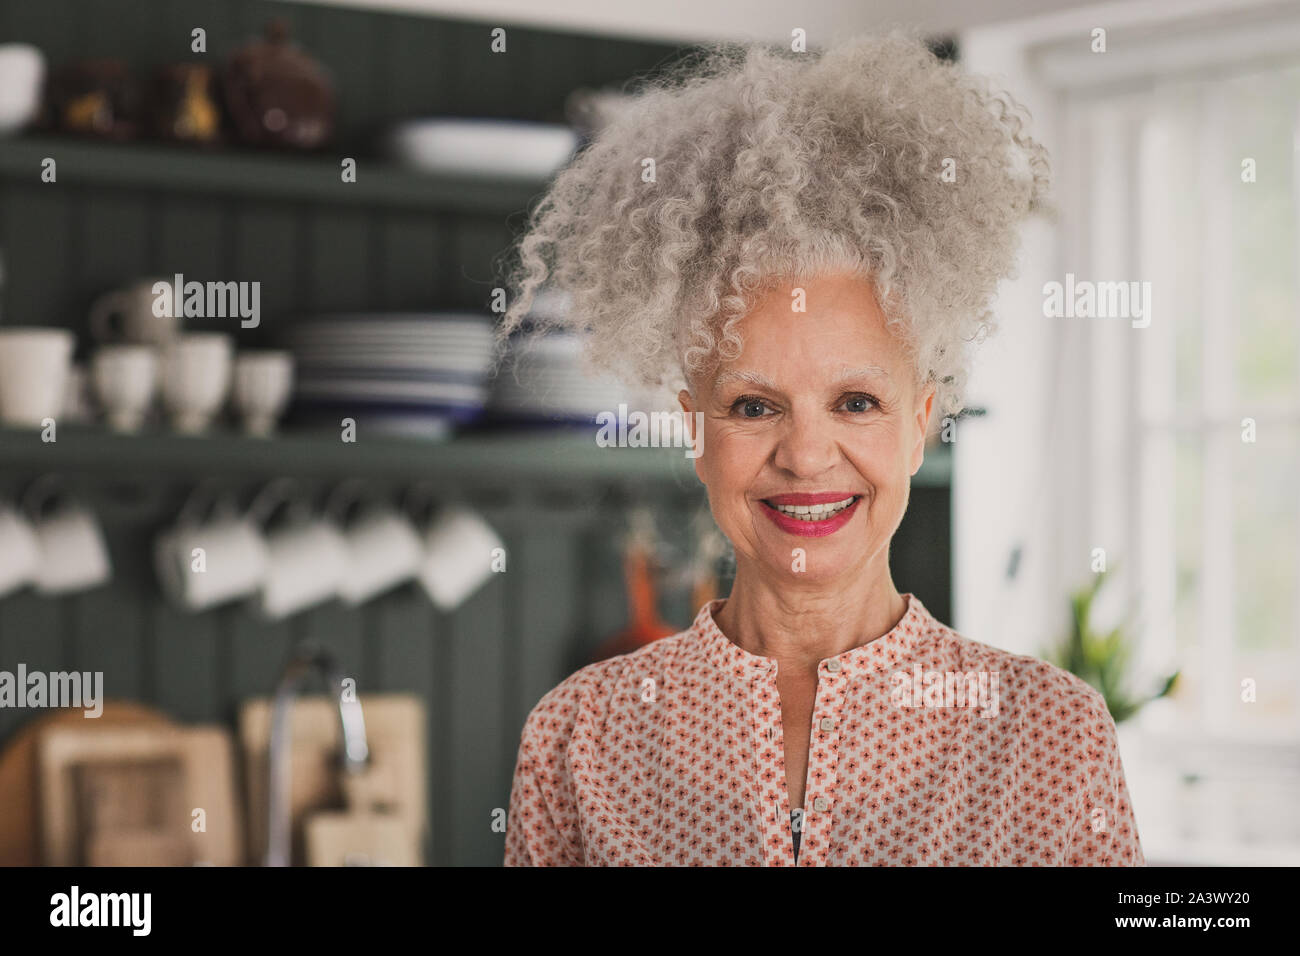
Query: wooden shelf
[(277, 176), (505, 456)]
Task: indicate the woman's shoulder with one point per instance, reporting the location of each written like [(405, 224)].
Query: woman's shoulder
[(591, 690), (1026, 682)]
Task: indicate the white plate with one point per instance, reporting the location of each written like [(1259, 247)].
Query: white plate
[(378, 390), (412, 358), (388, 341)]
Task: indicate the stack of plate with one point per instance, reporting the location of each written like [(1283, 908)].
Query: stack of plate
[(416, 374), (544, 382)]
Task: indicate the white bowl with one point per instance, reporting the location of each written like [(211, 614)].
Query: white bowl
[(483, 147)]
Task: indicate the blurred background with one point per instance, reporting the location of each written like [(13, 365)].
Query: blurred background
[(251, 452)]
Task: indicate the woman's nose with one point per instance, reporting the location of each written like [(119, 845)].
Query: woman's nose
[(806, 449)]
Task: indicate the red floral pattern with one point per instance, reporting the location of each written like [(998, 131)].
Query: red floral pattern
[(674, 756)]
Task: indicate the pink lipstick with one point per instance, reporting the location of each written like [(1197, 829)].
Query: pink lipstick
[(811, 515)]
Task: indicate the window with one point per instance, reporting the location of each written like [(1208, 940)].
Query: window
[(1219, 395), (1193, 436), (1174, 446)]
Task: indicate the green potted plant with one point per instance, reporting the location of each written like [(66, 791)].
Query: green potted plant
[(1102, 659)]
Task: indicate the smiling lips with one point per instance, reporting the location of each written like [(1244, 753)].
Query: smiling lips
[(811, 515)]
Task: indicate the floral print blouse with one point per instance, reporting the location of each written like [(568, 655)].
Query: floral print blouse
[(927, 748)]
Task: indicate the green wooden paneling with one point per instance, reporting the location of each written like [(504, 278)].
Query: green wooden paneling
[(184, 670), (40, 256), (408, 250), (32, 631), (339, 244), (480, 744), (267, 250)]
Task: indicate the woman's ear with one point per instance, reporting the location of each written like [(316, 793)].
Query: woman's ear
[(924, 409)]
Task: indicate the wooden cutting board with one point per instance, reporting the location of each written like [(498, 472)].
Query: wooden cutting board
[(20, 823), (338, 838), (203, 761)]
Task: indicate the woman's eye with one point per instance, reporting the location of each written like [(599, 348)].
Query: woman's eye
[(749, 407), (859, 403)]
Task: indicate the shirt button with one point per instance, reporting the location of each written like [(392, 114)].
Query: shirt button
[(828, 724), (833, 666), (820, 804)]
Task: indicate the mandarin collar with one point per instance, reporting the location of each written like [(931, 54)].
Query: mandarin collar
[(891, 648)]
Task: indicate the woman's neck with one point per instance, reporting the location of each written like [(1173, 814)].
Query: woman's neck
[(801, 626)]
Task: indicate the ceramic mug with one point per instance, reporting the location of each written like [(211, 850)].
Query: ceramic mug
[(20, 551), (459, 552), (211, 555), (22, 74), (384, 549), (307, 557), (136, 315), (73, 553), (34, 365)]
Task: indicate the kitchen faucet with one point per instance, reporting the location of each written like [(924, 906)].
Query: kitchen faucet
[(356, 753)]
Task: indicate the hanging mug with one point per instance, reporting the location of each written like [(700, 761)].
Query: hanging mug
[(383, 546), (73, 554), (211, 555), (307, 557)]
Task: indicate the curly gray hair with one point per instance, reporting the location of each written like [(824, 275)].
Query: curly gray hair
[(775, 165)]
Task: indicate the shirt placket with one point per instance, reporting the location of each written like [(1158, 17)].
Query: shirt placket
[(769, 756), (823, 762)]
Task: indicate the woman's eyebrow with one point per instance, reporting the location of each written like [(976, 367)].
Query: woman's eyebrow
[(742, 375), (866, 371), (758, 378)]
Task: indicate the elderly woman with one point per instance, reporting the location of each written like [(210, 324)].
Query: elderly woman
[(807, 243)]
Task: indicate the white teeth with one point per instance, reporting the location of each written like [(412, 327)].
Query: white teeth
[(814, 512)]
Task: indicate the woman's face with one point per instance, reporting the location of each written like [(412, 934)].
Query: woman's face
[(812, 434)]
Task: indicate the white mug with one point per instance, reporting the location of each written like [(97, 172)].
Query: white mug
[(206, 561), (459, 552), (137, 314), (196, 379), (34, 365), (20, 551), (384, 549), (73, 554), (22, 73), (307, 557), (125, 378)]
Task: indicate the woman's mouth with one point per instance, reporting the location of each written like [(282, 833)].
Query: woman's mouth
[(811, 515)]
